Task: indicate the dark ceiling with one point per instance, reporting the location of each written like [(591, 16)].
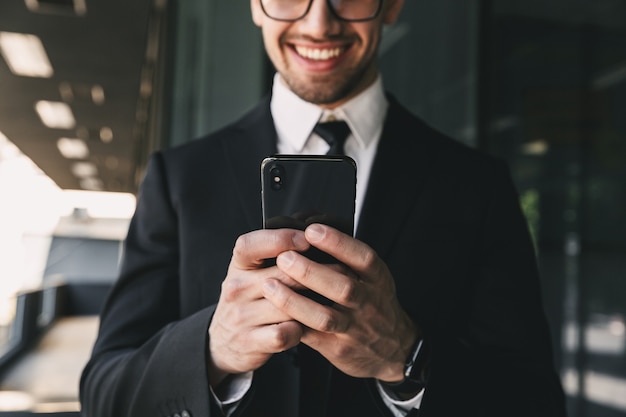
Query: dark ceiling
[(107, 48)]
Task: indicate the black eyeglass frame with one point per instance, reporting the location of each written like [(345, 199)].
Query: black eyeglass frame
[(332, 10)]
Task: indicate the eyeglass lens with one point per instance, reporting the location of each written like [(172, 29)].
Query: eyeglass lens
[(351, 10)]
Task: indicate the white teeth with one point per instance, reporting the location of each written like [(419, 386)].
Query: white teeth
[(318, 54)]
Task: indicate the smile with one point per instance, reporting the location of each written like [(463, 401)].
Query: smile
[(318, 54)]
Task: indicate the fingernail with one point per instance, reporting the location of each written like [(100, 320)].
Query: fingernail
[(315, 232), (285, 259), (269, 287), (299, 241)]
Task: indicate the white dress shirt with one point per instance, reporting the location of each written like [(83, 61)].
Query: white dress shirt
[(294, 120)]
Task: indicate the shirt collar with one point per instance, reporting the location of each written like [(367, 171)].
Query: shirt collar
[(295, 118)]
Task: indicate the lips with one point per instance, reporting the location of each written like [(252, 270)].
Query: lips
[(318, 54)]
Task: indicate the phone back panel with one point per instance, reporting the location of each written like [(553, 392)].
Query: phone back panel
[(301, 190)]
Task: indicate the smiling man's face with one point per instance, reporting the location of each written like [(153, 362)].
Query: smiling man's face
[(322, 59)]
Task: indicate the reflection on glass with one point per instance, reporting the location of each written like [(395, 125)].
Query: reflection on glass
[(559, 71)]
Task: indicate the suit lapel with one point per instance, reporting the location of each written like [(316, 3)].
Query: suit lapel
[(253, 138), (401, 165)]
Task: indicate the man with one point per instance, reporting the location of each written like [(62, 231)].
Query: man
[(436, 307)]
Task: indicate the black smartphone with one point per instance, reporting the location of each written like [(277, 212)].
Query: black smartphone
[(298, 190)]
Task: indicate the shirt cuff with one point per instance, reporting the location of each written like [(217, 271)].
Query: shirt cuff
[(397, 407), (234, 389)]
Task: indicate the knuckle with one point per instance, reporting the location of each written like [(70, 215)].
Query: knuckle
[(282, 300), (347, 293), (240, 245), (279, 339), (369, 258), (327, 322), (343, 350), (232, 289)]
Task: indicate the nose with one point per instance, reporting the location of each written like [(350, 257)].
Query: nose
[(320, 22)]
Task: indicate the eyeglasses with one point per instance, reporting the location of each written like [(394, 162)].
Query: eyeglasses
[(346, 10)]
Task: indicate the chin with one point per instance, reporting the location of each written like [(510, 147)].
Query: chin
[(321, 93)]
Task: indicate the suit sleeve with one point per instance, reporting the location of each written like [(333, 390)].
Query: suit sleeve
[(501, 360), (147, 360), (508, 307)]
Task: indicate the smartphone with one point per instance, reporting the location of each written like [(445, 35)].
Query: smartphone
[(298, 190)]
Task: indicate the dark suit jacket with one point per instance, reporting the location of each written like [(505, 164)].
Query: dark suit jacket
[(446, 220)]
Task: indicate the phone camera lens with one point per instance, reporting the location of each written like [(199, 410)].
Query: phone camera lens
[(276, 178)]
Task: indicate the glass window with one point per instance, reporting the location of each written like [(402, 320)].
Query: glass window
[(557, 99)]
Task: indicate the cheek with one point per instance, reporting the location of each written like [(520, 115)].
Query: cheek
[(370, 48), (370, 37), (274, 54), (272, 39), (270, 43)]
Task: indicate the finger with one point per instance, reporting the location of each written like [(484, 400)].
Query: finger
[(277, 337), (344, 270), (252, 249), (355, 254), (306, 311), (256, 313), (316, 339), (327, 280), (241, 286)]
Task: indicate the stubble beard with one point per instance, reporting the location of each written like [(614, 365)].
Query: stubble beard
[(332, 88), (324, 91)]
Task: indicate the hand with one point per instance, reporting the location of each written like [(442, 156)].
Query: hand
[(247, 329), (366, 333)]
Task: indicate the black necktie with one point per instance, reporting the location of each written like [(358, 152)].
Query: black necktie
[(335, 134), (315, 371), (315, 376)]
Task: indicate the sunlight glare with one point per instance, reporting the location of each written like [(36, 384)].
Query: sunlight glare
[(31, 205)]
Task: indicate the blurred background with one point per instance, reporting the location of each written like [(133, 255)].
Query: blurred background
[(89, 89)]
